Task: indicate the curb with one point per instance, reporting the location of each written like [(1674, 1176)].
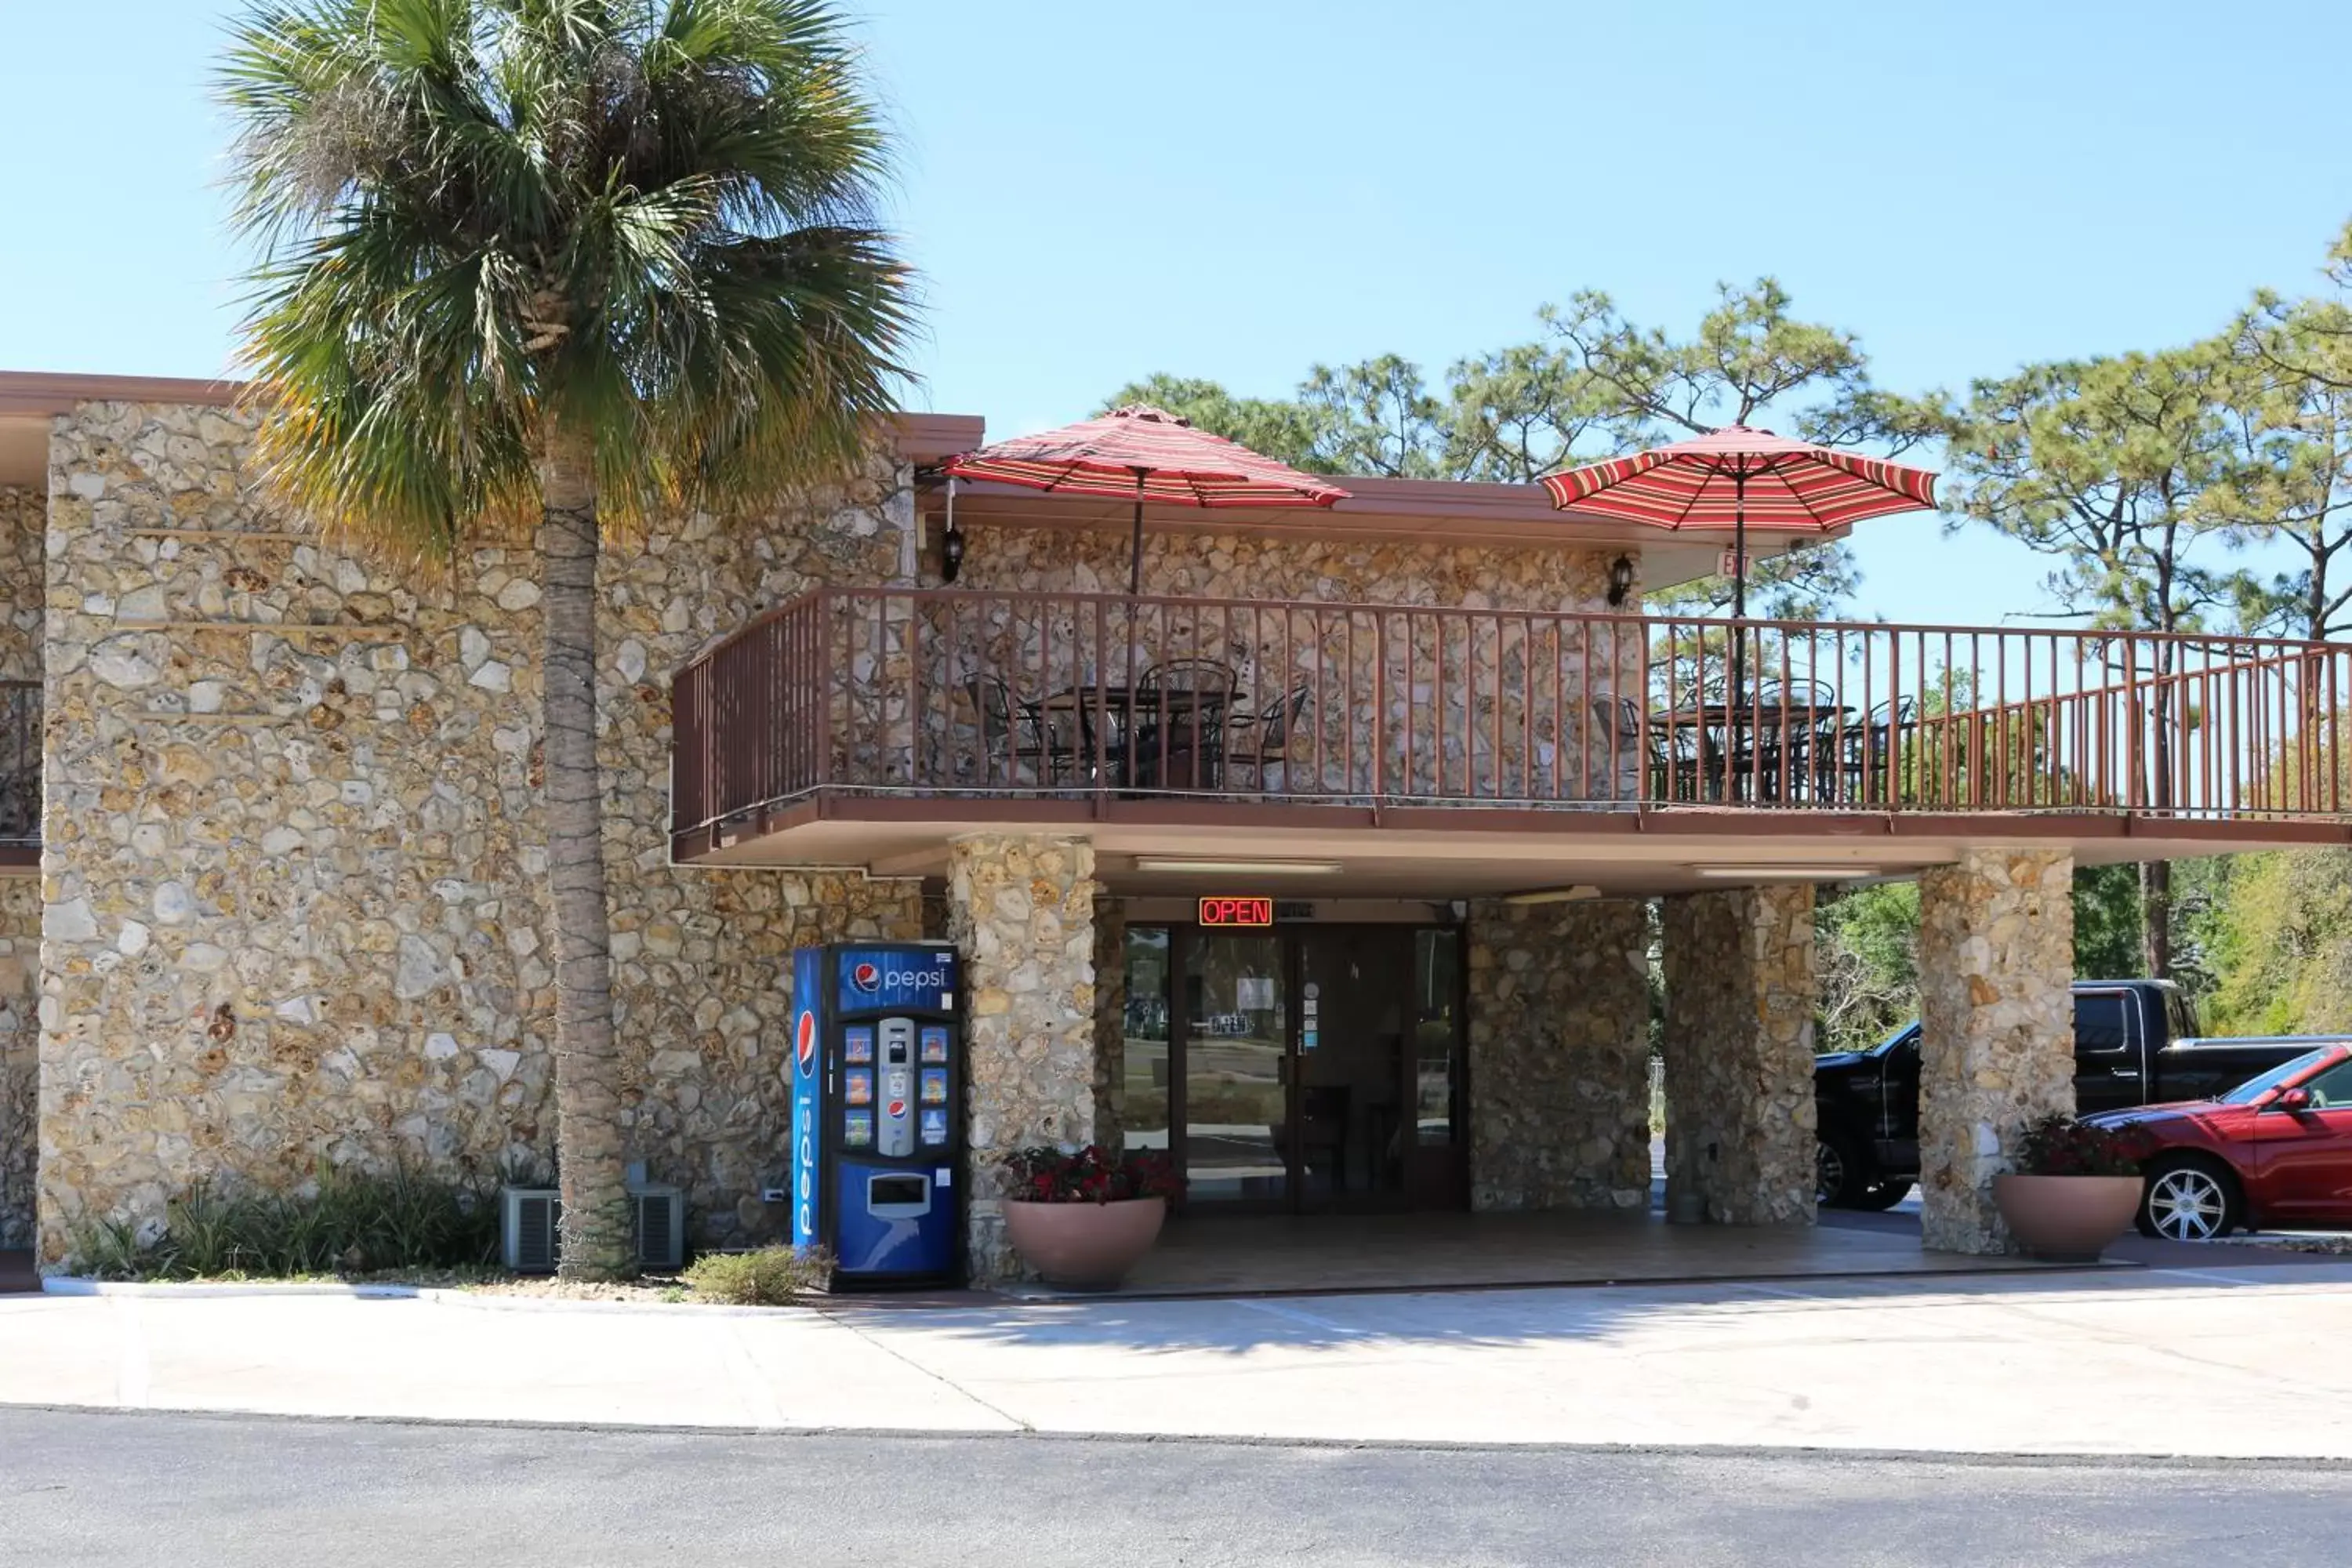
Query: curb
[(438, 1294)]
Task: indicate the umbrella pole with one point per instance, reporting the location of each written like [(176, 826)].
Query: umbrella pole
[(1740, 588), (1135, 555)]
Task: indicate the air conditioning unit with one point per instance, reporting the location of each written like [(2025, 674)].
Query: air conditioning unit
[(527, 1221), (660, 1211), (530, 1219)]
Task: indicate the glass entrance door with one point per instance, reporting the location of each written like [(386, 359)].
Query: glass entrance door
[(1235, 1039), (1317, 1067)]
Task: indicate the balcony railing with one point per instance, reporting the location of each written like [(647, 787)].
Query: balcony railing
[(20, 765), (956, 694)]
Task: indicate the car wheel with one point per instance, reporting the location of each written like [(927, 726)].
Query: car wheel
[(2189, 1199), (1882, 1195), (1841, 1178)]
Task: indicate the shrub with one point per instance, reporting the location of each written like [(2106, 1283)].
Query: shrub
[(1047, 1176), (769, 1276), (347, 1223), (2062, 1146)]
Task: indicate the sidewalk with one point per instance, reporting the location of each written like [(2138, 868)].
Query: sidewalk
[(2225, 1362)]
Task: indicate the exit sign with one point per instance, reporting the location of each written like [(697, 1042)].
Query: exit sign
[(1236, 912)]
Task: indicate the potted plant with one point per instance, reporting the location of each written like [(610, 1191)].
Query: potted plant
[(1081, 1220), (2075, 1189)]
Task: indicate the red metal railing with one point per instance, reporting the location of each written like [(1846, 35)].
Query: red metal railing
[(949, 692)]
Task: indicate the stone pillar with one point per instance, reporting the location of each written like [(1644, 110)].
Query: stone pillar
[(1741, 996), (1110, 1024), (1996, 1029), (1560, 1053), (1021, 908)]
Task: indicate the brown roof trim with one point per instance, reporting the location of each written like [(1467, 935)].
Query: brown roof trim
[(41, 392), (929, 438), (920, 437)]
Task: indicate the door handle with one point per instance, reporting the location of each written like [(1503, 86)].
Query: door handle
[(2126, 1072)]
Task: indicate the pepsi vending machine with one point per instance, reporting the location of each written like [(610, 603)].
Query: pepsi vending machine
[(877, 1088)]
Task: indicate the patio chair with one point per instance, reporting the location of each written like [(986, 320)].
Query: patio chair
[(1015, 734), (1181, 706), (1255, 740), (1864, 748)]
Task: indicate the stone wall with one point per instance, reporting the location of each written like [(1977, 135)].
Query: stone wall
[(1996, 1029), (1021, 908), (20, 1056), (22, 525), (1560, 1049), (1739, 1047), (293, 877)]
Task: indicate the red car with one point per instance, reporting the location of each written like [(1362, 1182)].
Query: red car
[(2275, 1152)]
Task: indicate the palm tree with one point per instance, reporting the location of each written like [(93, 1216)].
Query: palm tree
[(561, 263)]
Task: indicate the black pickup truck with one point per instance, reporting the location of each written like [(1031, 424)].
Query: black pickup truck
[(2136, 1043)]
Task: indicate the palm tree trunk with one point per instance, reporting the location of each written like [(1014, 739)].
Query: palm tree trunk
[(597, 1240)]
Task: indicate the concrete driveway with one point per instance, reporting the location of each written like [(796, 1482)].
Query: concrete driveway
[(2220, 1362)]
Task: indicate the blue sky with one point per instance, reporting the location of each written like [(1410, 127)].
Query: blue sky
[(1238, 190)]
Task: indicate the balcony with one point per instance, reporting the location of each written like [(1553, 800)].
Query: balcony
[(1220, 720)]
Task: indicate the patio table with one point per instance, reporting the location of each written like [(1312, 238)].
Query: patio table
[(1738, 730), (1182, 715)]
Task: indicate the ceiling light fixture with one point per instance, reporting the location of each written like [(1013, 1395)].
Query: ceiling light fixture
[(1240, 867), (1781, 873)]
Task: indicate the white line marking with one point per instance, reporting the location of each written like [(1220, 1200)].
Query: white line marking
[(2202, 1274), (1295, 1316)]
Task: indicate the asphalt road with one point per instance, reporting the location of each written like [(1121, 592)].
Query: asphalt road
[(101, 1490)]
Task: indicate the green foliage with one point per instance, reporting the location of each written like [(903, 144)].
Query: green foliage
[(769, 1276), (1867, 952), (2107, 922), (2281, 944), (338, 1223), (650, 221), (1594, 383)]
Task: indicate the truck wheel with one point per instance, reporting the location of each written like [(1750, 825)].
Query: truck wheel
[(1842, 1177), (2190, 1198)]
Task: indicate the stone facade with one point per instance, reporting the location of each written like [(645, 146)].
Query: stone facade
[(1996, 1029), (1738, 1046), (1020, 909), (20, 1056), (1560, 1049), (22, 525), (293, 877)]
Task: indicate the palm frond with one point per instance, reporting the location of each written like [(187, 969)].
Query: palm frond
[(650, 218)]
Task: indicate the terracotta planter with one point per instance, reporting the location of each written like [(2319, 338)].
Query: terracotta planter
[(1084, 1246), (2068, 1219)]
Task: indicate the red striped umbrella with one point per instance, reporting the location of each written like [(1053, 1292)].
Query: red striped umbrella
[(1148, 454), (1736, 476)]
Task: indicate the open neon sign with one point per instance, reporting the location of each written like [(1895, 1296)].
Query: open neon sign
[(1236, 912)]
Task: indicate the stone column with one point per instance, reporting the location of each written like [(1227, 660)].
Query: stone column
[(1741, 996), (1110, 1024), (1559, 1054), (1996, 1029), (1021, 908)]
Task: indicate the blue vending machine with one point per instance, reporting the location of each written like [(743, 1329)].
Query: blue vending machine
[(877, 1124)]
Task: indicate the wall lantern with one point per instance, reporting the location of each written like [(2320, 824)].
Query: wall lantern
[(952, 544), (1621, 580)]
